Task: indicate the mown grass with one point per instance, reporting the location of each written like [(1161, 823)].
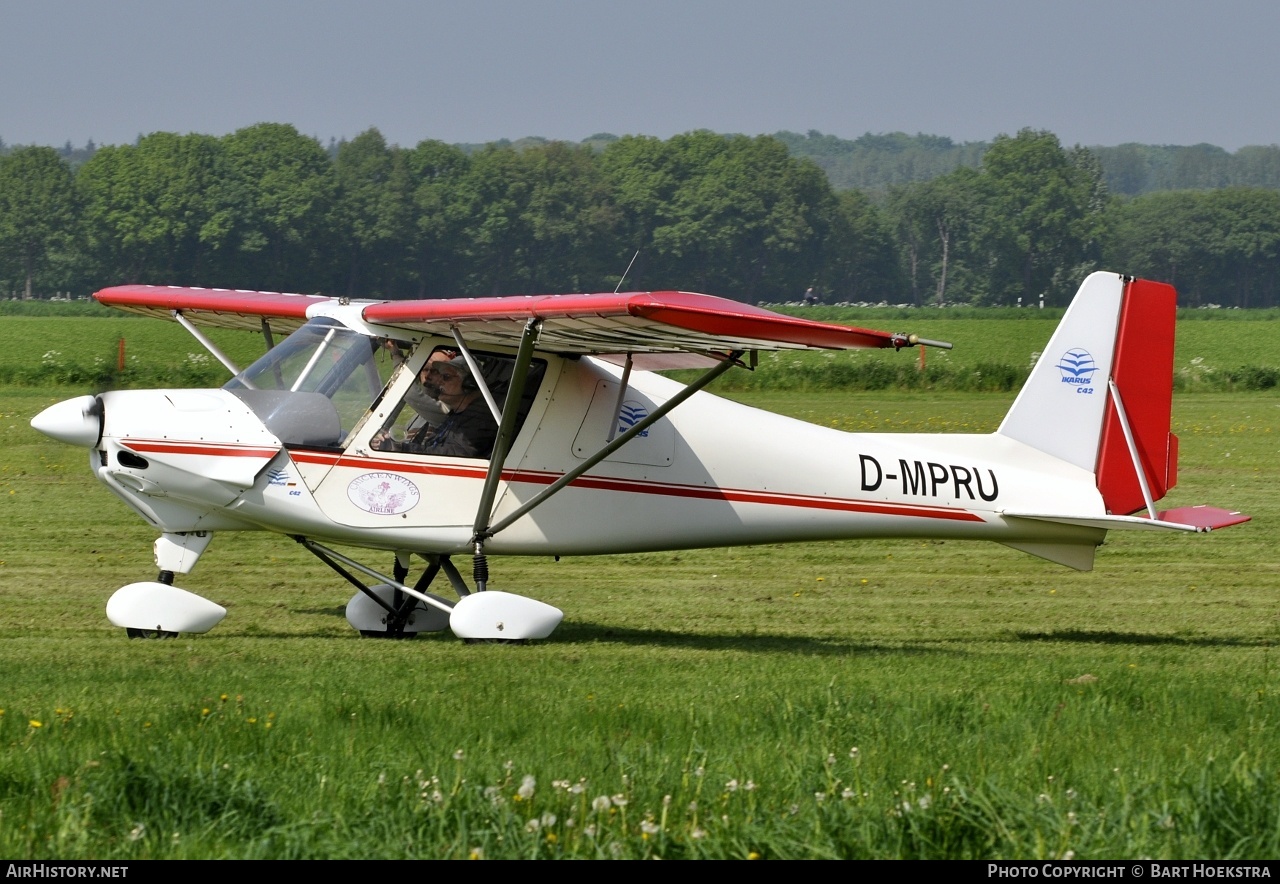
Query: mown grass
[(693, 704)]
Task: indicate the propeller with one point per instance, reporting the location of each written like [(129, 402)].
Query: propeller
[(79, 421)]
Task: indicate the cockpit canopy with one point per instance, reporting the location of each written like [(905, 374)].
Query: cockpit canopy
[(314, 387)]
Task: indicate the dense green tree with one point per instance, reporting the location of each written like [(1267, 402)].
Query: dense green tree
[(878, 161), (1041, 216), (570, 217), (727, 214), (495, 195), (148, 212), (730, 215), (373, 215), (861, 260), (541, 220), (643, 174), (1220, 246), (273, 202), (267, 207), (748, 221), (1256, 167), (936, 222), (1163, 236), (37, 210), (437, 238)]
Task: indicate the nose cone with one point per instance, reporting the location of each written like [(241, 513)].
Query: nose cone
[(74, 421)]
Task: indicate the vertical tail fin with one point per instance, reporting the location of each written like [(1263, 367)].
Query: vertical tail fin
[(1107, 369)]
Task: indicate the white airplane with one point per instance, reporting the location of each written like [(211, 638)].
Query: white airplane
[(536, 426)]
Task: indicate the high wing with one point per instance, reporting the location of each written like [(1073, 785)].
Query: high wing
[(640, 322), (630, 322), (219, 308)]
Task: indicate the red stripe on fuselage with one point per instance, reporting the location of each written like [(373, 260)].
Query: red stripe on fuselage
[(195, 448), (598, 483), (633, 486)]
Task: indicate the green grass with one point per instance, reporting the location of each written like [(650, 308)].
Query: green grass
[(693, 704)]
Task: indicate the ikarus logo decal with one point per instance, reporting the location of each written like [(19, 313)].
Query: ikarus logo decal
[(279, 477), (631, 413), (1077, 367)]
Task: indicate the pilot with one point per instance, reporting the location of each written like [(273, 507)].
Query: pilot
[(427, 407), (467, 428)]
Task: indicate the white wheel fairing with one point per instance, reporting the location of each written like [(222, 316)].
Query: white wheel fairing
[(158, 606), (365, 615), (505, 616)]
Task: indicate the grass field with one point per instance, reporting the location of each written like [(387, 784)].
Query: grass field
[(876, 699)]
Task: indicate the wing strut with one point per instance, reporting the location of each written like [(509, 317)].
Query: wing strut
[(208, 344), (622, 391), (506, 430), (728, 362)]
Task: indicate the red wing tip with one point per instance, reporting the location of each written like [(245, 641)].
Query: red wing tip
[(1203, 518)]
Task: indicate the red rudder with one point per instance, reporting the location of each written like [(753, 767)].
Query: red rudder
[(1143, 373)]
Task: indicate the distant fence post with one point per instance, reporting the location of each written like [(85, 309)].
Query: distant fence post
[(120, 355)]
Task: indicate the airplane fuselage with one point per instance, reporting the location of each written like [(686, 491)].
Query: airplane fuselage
[(711, 473)]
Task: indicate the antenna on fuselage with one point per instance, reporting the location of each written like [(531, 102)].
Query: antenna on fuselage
[(617, 287)]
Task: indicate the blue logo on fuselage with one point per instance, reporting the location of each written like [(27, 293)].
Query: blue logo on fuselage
[(631, 414)]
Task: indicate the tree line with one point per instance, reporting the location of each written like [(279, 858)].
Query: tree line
[(879, 161), (268, 208)]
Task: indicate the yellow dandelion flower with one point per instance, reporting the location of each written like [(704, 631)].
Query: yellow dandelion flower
[(34, 723)]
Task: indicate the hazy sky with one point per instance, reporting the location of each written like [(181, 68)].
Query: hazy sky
[(1092, 71)]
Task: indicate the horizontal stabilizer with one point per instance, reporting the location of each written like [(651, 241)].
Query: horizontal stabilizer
[(1186, 518), (1203, 518)]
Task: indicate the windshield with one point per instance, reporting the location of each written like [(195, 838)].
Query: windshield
[(314, 387)]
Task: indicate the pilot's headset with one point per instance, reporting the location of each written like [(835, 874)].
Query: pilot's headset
[(464, 371)]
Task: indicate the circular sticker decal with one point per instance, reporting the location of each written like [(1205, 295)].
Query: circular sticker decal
[(383, 494)]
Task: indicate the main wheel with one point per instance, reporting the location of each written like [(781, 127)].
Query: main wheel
[(149, 633), (382, 633)]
